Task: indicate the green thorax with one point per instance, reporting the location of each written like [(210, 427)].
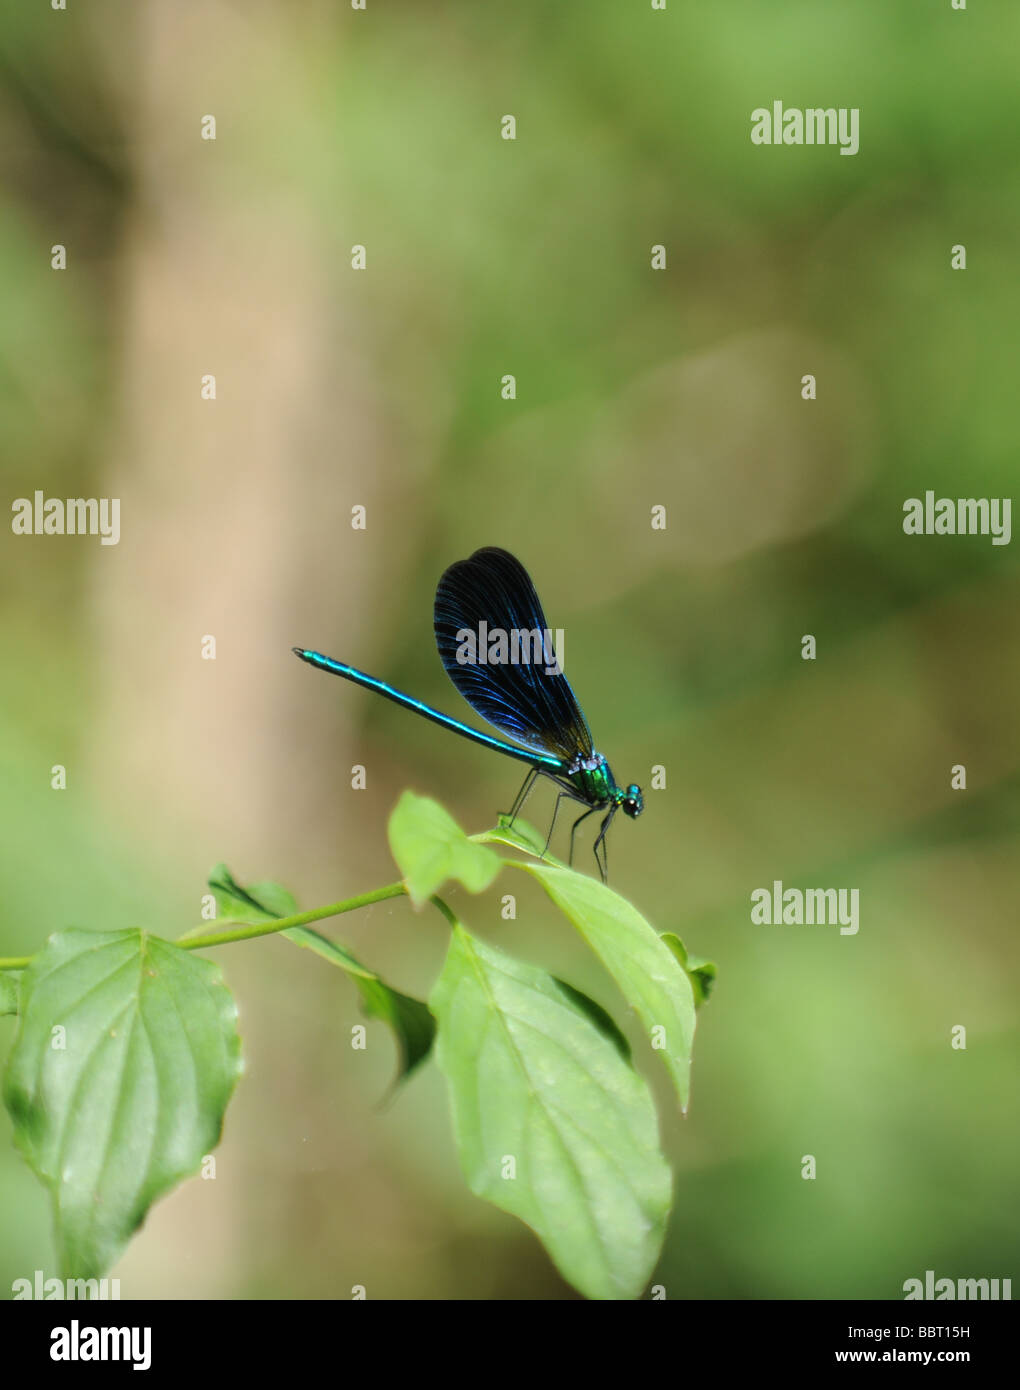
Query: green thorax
[(594, 780)]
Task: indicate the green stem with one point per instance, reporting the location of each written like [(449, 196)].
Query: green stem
[(438, 902), (299, 919), (190, 941)]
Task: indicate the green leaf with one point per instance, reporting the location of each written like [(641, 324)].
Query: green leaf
[(412, 1023), (262, 902), (700, 972), (413, 1026), (521, 835), (8, 993), (602, 1019), (329, 950), (429, 847), (534, 1081), (646, 970), (644, 965), (125, 1058)]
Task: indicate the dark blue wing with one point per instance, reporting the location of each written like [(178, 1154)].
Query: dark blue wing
[(534, 707)]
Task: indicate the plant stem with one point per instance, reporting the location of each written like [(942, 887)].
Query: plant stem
[(192, 942), (438, 902), (299, 919)]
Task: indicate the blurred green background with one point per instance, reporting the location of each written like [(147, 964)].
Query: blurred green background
[(635, 388)]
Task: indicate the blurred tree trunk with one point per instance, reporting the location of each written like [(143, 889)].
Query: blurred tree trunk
[(235, 511)]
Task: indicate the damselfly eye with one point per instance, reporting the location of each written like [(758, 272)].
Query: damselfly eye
[(633, 801)]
